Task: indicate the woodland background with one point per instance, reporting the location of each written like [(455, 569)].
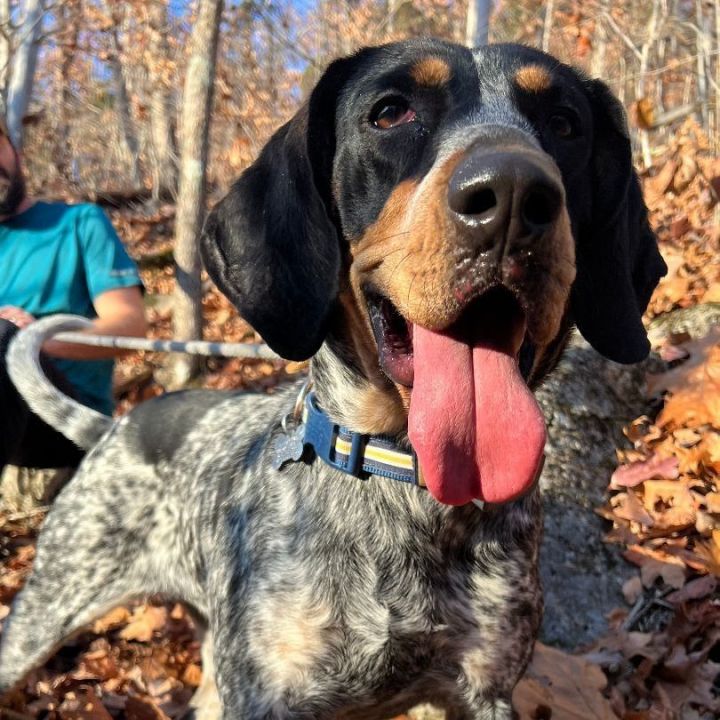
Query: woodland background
[(108, 100)]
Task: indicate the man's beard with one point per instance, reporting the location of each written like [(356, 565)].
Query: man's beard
[(12, 191)]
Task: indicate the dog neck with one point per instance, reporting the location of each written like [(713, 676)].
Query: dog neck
[(351, 399)]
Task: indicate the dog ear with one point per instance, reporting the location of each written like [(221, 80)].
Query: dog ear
[(271, 244), (618, 262)]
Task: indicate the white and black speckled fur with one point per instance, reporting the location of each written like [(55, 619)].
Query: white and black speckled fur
[(324, 596)]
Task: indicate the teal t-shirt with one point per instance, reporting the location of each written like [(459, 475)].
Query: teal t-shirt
[(57, 258)]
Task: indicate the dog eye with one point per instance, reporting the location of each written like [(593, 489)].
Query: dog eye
[(390, 113), (563, 125)]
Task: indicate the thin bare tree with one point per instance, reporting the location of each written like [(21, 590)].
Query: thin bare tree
[(478, 23), (716, 134), (67, 38), (647, 46), (5, 48), (195, 125), (122, 101), (162, 112), (22, 74), (548, 24)]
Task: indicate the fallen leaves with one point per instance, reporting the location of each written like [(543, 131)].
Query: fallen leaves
[(670, 672), (698, 354), (637, 472), (681, 196), (672, 574), (562, 687), (670, 503), (144, 623), (83, 706), (117, 617), (15, 571), (665, 505), (695, 590), (664, 498)]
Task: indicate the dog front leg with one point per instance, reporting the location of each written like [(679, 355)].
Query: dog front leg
[(205, 703), (78, 576), (102, 544), (483, 709)]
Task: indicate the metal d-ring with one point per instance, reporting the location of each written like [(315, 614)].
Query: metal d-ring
[(297, 411)]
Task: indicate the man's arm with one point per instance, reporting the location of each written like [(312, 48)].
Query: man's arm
[(119, 312)]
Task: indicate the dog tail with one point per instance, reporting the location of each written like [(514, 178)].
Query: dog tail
[(76, 422)]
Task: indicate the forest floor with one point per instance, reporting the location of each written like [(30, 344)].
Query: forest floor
[(660, 659)]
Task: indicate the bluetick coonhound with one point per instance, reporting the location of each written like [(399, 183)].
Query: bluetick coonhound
[(427, 228)]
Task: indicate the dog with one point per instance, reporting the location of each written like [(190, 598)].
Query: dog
[(428, 229)]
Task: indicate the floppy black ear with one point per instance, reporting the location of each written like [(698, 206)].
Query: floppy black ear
[(270, 245), (618, 262)]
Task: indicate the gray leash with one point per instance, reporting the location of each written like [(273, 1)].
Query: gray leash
[(257, 351)]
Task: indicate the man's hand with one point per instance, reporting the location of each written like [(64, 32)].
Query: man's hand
[(16, 315)]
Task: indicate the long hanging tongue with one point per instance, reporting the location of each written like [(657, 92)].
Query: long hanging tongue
[(475, 426)]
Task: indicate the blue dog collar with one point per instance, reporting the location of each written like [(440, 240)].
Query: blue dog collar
[(347, 451), (354, 453)]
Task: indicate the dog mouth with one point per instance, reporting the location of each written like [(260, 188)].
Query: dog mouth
[(393, 336), (476, 428), (495, 317)]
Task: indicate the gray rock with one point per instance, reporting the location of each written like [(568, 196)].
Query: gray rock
[(696, 321), (587, 401), (25, 490)]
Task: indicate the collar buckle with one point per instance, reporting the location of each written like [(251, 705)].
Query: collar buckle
[(323, 435)]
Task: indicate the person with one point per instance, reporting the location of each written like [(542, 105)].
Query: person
[(58, 258)]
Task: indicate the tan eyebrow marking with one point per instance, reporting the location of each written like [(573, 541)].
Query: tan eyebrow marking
[(431, 71), (533, 78)]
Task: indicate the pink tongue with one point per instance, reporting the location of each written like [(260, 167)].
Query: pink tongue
[(475, 426)]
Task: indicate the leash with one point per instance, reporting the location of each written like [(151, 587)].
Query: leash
[(258, 351)]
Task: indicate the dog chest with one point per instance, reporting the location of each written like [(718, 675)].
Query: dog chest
[(412, 631)]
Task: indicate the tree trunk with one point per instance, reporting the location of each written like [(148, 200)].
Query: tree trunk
[(716, 134), (162, 113), (392, 8), (547, 25), (68, 41), (477, 30), (5, 49), (597, 63), (271, 62), (23, 70), (30, 490), (642, 75), (122, 102), (702, 75), (197, 103)]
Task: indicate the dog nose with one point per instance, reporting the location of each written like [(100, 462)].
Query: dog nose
[(505, 199)]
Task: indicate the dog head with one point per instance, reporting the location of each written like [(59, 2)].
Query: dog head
[(437, 219)]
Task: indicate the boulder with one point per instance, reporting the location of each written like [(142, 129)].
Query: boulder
[(587, 401)]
